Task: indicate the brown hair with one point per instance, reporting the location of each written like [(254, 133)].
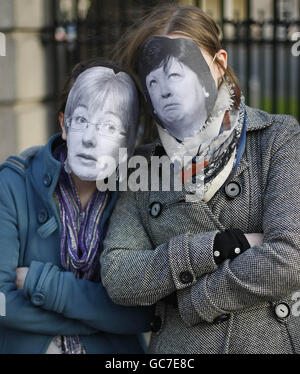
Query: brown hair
[(166, 19)]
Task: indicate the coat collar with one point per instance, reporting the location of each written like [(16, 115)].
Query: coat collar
[(44, 169), (257, 119)]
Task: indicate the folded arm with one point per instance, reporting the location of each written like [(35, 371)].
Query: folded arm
[(135, 273), (266, 272), (83, 300), (21, 314)]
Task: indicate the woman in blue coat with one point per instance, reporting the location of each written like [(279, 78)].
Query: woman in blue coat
[(53, 220)]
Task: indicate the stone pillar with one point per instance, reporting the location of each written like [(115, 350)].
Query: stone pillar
[(212, 8), (26, 89)]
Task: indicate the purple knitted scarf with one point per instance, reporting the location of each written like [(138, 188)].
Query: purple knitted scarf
[(80, 238)]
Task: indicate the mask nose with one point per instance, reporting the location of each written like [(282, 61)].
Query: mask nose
[(165, 90), (165, 94), (89, 138)]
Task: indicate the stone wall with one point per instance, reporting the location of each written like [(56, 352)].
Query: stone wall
[(26, 89)]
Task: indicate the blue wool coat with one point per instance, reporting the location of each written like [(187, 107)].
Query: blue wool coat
[(53, 302)]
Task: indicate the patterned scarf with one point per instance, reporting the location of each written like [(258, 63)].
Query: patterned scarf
[(214, 150), (79, 246), (225, 158)]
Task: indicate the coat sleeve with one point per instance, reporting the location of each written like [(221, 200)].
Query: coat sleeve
[(20, 314), (262, 273), (136, 273), (83, 300)]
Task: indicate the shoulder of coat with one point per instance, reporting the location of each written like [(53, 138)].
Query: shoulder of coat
[(12, 178), (18, 163), (257, 119)]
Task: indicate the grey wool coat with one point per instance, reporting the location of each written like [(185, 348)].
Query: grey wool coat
[(247, 305)]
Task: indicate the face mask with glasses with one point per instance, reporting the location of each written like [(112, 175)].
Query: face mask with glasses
[(108, 128)]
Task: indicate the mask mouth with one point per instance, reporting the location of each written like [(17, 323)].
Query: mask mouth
[(86, 157), (171, 106)]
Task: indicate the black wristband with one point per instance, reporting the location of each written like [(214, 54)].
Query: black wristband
[(229, 244), (241, 238)]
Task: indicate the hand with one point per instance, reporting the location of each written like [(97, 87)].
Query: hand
[(255, 239), (20, 277), (231, 243)]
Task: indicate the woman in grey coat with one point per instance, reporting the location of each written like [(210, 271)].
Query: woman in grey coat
[(215, 291)]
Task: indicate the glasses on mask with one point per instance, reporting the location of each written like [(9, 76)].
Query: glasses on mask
[(107, 128)]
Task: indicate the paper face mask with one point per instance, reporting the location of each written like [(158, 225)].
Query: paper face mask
[(178, 84), (101, 117)]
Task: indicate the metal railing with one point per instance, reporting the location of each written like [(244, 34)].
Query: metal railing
[(263, 52)]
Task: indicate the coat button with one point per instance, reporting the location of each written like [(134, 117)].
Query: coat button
[(186, 277), (37, 299), (233, 190), (155, 324), (47, 180), (42, 216), (237, 250), (221, 318), (155, 209), (282, 310)]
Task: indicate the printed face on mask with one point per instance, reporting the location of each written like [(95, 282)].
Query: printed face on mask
[(100, 117), (93, 141), (178, 84), (178, 98)]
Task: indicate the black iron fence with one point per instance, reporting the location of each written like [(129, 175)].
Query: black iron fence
[(264, 50), (266, 58)]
